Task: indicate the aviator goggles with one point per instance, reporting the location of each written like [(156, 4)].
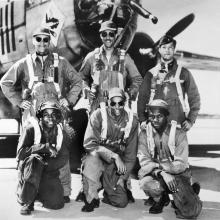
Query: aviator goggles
[(120, 104), (110, 34), (40, 39)]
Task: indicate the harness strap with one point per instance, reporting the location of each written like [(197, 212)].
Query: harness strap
[(37, 133), (121, 68), (104, 121), (32, 77), (179, 88), (59, 137), (154, 72), (171, 140), (96, 73), (56, 75), (152, 94), (53, 78), (150, 140), (56, 63), (127, 129), (177, 82), (104, 130)]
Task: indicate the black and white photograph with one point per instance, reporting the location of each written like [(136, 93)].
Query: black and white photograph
[(109, 109)]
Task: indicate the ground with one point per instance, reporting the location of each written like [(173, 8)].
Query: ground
[(205, 164)]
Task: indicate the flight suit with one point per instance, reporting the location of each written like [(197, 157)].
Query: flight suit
[(18, 79), (99, 164), (120, 71), (166, 89), (38, 173), (174, 160)]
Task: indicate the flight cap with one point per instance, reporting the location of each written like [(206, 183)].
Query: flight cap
[(108, 25), (158, 104), (42, 30), (49, 105), (116, 92), (166, 39)]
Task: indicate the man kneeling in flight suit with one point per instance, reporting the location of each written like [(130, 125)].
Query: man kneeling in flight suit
[(163, 155), (111, 145), (42, 151)]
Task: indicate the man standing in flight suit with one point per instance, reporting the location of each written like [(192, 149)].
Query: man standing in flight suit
[(170, 82), (108, 67), (43, 76)]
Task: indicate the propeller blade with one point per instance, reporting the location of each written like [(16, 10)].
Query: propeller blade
[(180, 26)]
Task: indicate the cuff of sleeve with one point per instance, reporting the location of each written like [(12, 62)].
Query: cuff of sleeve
[(156, 172), (124, 177), (190, 120), (85, 92), (38, 148)]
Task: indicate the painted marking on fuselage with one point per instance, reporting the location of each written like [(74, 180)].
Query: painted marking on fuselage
[(1, 31), (7, 28), (12, 28)]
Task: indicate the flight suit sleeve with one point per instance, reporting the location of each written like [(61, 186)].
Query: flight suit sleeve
[(193, 96), (145, 159), (26, 145), (144, 96), (74, 82), (93, 132), (86, 71), (130, 153), (180, 162), (11, 82), (92, 138), (134, 77)]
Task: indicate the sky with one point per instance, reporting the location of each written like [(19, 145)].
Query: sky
[(202, 36)]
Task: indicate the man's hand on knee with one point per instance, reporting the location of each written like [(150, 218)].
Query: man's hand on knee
[(121, 168), (170, 181)]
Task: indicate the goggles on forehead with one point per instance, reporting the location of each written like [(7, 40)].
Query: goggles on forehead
[(120, 104), (44, 39), (105, 34)]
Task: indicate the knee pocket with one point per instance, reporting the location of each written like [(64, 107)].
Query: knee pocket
[(118, 198), (51, 193)]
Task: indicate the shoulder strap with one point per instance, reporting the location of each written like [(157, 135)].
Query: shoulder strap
[(128, 127), (104, 129), (37, 131), (150, 139), (59, 137), (56, 74), (96, 73), (121, 68), (171, 140), (179, 88), (104, 121), (97, 54), (32, 77), (154, 72), (56, 63)]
